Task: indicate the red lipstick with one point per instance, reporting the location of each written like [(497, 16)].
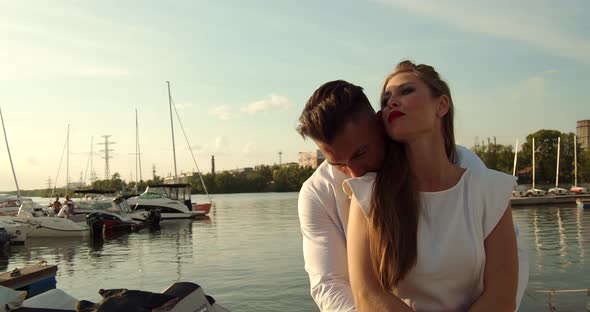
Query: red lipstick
[(394, 115)]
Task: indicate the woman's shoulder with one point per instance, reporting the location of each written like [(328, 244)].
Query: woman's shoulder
[(490, 178)]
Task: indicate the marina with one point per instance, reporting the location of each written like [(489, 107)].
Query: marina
[(246, 269)]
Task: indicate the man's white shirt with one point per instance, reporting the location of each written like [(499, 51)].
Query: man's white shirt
[(323, 215)]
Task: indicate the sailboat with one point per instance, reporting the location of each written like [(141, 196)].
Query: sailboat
[(575, 188), (557, 190), (534, 191), (516, 193), (35, 218), (173, 200)]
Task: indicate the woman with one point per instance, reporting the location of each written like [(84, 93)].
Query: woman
[(423, 233)]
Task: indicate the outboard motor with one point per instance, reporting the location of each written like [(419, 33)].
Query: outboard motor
[(4, 239), (153, 218), (96, 225)]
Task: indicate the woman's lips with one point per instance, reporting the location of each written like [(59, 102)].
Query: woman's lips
[(394, 115)]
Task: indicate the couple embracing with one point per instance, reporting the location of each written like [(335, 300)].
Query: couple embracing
[(399, 217)]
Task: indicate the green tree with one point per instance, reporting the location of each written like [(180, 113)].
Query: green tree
[(546, 156)]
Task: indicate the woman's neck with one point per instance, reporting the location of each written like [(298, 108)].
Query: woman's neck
[(430, 164)]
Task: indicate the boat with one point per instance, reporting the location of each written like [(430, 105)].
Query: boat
[(16, 232), (583, 203), (557, 190), (33, 280), (34, 217), (575, 188), (39, 224), (104, 213), (181, 296), (8, 205), (534, 191), (172, 200), (113, 213)]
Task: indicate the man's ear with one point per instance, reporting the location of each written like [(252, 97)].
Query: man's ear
[(444, 104)]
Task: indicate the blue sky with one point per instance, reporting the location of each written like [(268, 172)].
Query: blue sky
[(241, 72)]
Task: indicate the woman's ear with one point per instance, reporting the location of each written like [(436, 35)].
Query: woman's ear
[(444, 104)]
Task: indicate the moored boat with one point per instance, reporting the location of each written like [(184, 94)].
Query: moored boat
[(583, 203), (173, 201)]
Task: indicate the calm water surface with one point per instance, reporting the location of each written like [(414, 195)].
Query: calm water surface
[(248, 256)]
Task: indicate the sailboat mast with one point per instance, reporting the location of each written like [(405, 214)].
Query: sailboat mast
[(575, 162), (68, 162), (138, 149), (533, 163), (515, 158), (91, 152), (557, 170), (172, 127), (136, 152), (10, 157)]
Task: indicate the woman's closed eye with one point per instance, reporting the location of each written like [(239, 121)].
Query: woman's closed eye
[(407, 90), (385, 99)]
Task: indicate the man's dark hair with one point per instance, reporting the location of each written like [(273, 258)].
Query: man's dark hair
[(330, 108)]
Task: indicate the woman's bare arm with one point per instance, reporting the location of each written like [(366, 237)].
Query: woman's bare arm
[(368, 294), (501, 270)]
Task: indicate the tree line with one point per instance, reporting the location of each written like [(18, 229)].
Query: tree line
[(290, 177), (501, 157)]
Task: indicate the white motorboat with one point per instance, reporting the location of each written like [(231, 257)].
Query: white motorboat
[(9, 205), (16, 231), (114, 213), (172, 200), (39, 224)]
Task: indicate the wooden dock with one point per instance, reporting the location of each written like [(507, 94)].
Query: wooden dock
[(547, 200), (33, 279)]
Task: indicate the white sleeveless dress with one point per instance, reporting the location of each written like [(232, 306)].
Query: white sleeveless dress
[(453, 225)]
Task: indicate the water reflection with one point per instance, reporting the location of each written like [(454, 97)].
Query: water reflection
[(248, 255), (557, 236)]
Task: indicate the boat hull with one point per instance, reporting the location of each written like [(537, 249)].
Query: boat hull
[(52, 227), (205, 208)]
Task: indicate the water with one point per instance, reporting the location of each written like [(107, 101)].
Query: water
[(248, 256)]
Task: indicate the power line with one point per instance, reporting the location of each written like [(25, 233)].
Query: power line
[(106, 157)]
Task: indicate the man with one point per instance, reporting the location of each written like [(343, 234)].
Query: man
[(342, 122), (67, 211)]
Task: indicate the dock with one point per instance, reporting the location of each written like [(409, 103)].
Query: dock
[(33, 279), (547, 200)]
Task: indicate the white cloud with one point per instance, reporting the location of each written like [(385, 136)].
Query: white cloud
[(274, 102), (222, 112), (532, 25), (248, 148), (222, 145)]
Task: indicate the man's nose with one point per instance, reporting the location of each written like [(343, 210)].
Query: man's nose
[(356, 171)]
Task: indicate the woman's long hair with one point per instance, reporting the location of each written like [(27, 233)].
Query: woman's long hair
[(395, 204)]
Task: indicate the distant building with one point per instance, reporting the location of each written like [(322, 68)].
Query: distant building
[(583, 133), (311, 159), (246, 171), (183, 177)]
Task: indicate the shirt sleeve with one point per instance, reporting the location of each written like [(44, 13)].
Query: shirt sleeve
[(497, 191), (468, 159), (324, 252), (362, 189)]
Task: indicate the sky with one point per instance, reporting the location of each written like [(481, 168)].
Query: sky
[(241, 72)]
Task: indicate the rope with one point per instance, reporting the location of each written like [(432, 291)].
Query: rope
[(59, 168), (190, 149)]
